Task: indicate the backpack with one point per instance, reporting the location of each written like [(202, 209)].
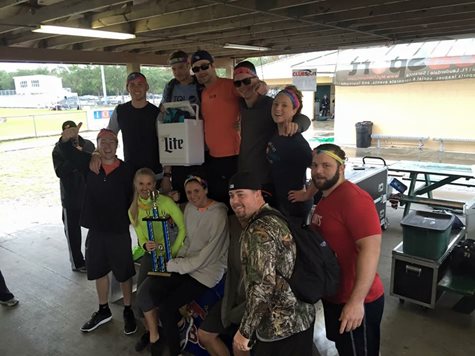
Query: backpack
[(316, 272)]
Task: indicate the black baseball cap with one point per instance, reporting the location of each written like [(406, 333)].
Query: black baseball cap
[(244, 180), (68, 124)]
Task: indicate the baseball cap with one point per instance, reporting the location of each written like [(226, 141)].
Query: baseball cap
[(135, 75), (201, 55), (244, 180), (106, 133), (245, 67), (67, 124)]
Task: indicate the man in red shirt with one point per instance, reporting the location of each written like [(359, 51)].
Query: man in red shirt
[(346, 218)]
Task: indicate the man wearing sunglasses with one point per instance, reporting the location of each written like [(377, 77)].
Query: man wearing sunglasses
[(257, 125), (220, 111)]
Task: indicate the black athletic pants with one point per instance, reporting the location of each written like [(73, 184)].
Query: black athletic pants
[(364, 340), (72, 230)]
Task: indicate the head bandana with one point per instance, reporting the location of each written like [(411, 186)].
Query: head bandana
[(293, 97), (332, 155), (176, 60), (244, 70)]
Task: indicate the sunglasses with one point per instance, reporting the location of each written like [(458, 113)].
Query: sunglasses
[(201, 67), (245, 81)]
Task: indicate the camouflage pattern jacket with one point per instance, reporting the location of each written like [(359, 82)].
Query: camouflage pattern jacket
[(272, 311)]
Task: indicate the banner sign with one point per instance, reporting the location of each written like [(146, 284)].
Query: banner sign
[(304, 79), (356, 71)]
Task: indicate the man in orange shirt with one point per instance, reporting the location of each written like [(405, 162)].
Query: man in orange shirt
[(220, 110)]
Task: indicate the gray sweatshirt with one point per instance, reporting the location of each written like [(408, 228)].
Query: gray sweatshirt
[(205, 250)]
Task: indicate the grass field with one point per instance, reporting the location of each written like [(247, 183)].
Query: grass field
[(18, 123)]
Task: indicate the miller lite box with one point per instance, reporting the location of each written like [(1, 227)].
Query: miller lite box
[(181, 143)]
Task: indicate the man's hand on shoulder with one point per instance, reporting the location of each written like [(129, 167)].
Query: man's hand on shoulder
[(290, 129), (95, 162)]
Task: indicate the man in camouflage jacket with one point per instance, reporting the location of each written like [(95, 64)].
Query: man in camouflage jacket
[(279, 322)]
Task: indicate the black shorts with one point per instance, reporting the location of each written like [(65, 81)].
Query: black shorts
[(365, 339), (107, 252), (214, 324)]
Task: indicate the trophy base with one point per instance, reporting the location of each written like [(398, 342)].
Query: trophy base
[(159, 274)]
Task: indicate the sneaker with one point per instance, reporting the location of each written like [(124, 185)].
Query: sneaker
[(10, 302), (98, 318), (184, 331), (80, 269), (130, 326), (143, 342), (157, 348)]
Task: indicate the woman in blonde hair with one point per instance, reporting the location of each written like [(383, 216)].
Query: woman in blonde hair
[(144, 184), (290, 156)]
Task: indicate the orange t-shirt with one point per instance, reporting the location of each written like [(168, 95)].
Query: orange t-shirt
[(220, 109)]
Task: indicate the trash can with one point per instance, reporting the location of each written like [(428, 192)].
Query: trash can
[(426, 234), (364, 129)]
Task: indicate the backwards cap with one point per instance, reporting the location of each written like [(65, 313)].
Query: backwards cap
[(201, 55), (244, 180), (135, 75), (106, 133)]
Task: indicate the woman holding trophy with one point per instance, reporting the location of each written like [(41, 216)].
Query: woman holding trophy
[(199, 265), (144, 204)]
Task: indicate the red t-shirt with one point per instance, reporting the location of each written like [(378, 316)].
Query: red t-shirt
[(220, 109), (345, 216)]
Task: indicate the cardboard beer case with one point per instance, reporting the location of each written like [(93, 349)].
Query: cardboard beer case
[(181, 143)]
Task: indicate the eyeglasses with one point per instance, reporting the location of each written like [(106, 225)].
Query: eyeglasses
[(201, 67), (245, 81)]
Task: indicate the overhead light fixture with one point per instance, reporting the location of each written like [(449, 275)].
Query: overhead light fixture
[(245, 47), (74, 31)]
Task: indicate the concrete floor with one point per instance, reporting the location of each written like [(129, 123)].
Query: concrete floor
[(55, 302)]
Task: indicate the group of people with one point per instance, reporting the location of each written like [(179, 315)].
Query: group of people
[(256, 159)]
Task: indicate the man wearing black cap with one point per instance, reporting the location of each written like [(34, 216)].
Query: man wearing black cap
[(72, 187), (279, 322), (136, 119), (220, 110)]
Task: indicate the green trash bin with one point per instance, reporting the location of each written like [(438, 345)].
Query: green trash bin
[(426, 234)]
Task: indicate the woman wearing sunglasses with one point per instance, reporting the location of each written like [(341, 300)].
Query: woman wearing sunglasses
[(290, 156), (199, 265)]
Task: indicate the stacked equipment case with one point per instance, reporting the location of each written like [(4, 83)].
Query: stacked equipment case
[(373, 178)]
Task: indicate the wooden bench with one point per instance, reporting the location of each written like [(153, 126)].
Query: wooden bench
[(380, 137), (452, 204), (451, 139), (462, 285)]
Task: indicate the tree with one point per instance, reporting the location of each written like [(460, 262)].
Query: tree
[(6, 81)]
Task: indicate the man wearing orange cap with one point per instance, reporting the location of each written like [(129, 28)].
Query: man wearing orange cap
[(104, 213), (137, 121)]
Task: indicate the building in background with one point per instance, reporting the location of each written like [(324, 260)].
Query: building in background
[(38, 91)]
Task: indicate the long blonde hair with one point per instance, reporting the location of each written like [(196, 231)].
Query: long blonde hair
[(134, 206)]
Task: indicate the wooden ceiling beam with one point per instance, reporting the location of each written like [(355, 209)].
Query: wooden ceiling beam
[(56, 11)]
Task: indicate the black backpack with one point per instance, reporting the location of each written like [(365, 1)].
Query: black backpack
[(316, 272)]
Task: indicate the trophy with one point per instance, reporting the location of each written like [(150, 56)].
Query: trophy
[(162, 254)]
